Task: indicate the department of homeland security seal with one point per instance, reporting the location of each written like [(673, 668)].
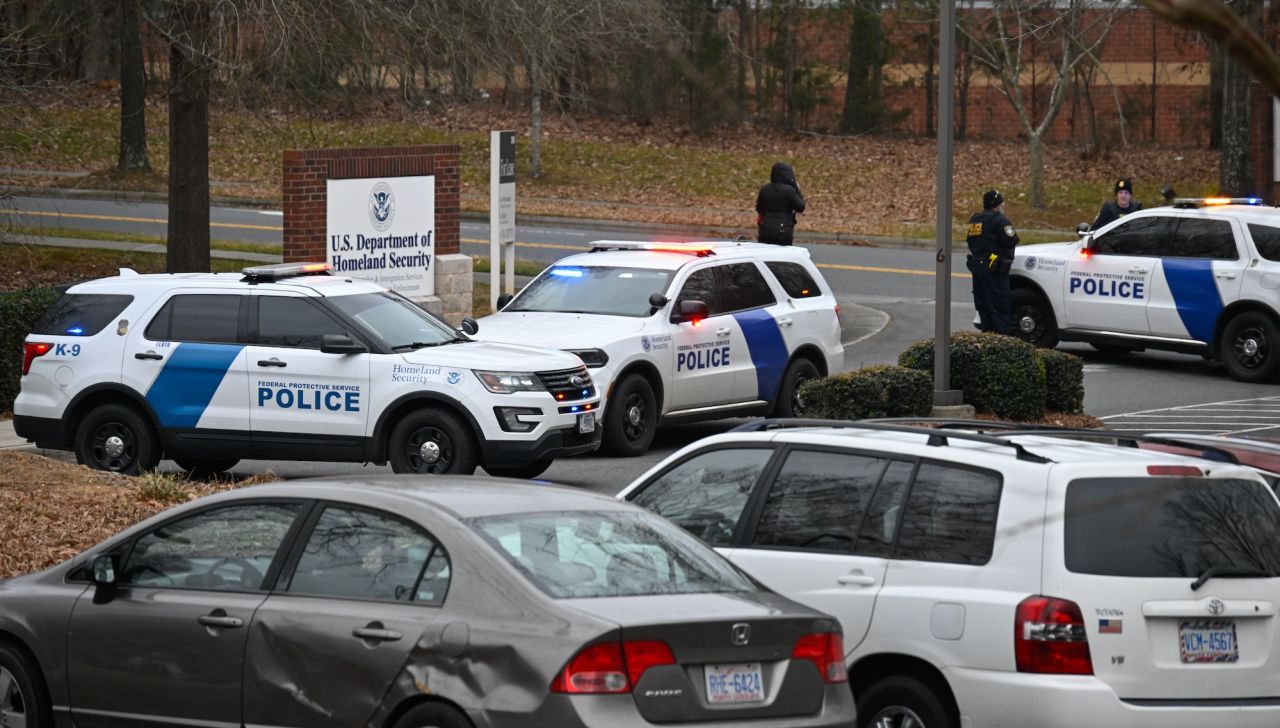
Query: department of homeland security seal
[(382, 206), (1031, 262), (454, 377), (644, 343)]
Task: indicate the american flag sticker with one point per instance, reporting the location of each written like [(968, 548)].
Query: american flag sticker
[(1110, 626)]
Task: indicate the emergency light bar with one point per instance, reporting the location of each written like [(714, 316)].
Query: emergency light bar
[(701, 250), (1194, 202), (259, 273)]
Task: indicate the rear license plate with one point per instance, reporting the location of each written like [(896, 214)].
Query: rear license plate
[(1208, 641), (587, 422), (734, 683)]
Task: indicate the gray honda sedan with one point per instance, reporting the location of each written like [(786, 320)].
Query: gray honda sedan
[(408, 603)]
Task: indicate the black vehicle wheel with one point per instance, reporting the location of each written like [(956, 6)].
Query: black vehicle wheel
[(631, 417), (900, 701), (1033, 320), (433, 715), (432, 441), (116, 438), (1114, 349), (1250, 347), (22, 692), (205, 467), (788, 403), (532, 470)]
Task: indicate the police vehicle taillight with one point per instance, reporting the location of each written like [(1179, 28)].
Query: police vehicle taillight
[(31, 350)]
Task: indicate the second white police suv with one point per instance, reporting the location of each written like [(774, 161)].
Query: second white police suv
[(289, 362), (678, 332), (1199, 277)]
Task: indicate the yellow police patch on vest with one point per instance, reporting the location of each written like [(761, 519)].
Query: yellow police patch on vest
[(975, 228), (1008, 231)]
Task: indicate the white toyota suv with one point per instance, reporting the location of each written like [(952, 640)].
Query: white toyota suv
[(679, 332), (1005, 579), (1200, 277), (289, 362)]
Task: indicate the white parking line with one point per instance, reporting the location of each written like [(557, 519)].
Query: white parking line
[(1204, 404), (272, 213)]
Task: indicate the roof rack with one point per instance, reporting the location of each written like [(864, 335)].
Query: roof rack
[(1124, 439), (964, 423), (261, 273), (938, 437), (700, 250), (1195, 202)]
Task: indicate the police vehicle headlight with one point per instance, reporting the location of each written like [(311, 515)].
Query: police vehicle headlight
[(508, 382), (593, 358)]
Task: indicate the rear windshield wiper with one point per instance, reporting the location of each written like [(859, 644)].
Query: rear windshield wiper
[(1229, 572)]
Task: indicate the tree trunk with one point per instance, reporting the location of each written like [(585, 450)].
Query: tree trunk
[(863, 98), (189, 141), (1235, 167), (535, 118), (966, 77), (100, 46), (1036, 143), (744, 31), (930, 40), (133, 92), (1217, 60)]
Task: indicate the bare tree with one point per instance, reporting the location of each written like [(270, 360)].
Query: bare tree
[(133, 91), (1072, 32)]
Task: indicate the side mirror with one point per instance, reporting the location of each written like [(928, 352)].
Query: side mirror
[(503, 300), (657, 300), (470, 326), (104, 571), (341, 344), (693, 311), (1082, 229)]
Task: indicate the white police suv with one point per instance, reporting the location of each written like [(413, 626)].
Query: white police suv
[(1200, 277), (289, 362), (676, 332)]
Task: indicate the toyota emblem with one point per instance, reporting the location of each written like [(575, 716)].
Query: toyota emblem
[(741, 634), (1216, 607)]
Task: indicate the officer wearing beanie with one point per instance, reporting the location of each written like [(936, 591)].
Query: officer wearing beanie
[(992, 240), (1122, 205)]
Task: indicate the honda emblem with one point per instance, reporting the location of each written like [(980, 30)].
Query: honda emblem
[(741, 634)]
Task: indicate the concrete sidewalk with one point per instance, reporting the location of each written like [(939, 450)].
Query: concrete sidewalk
[(9, 439)]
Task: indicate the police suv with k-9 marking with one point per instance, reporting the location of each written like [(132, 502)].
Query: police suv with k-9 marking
[(1199, 277), (289, 362), (677, 332)]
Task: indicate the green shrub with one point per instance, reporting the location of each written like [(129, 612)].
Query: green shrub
[(879, 391), (1064, 381), (19, 312), (999, 374)]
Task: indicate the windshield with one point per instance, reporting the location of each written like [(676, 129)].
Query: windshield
[(395, 320), (1169, 528), (609, 554), (592, 289)]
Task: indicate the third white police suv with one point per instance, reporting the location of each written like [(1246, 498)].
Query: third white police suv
[(289, 362), (678, 332), (1200, 277)]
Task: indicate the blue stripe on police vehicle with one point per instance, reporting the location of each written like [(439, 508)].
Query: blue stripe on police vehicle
[(188, 381), (1195, 293), (767, 347)]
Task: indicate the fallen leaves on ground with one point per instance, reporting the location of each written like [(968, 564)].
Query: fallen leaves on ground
[(1058, 419)]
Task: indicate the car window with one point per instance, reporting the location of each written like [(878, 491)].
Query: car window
[(356, 554), (742, 287), (1267, 240), (604, 290), (294, 322), (817, 501), (705, 494), (1166, 528), (579, 554), (951, 516), (795, 280), (81, 314), (1142, 236), (1197, 238), (211, 318), (880, 525), (700, 286), (396, 320), (224, 549)]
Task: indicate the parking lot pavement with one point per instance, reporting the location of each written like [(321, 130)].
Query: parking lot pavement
[(1258, 416)]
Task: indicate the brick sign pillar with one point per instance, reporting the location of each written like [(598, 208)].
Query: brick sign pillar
[(306, 172)]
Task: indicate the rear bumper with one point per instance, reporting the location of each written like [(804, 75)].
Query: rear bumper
[(43, 431), (991, 699)]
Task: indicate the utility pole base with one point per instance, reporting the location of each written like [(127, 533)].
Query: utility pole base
[(954, 411), (948, 397)]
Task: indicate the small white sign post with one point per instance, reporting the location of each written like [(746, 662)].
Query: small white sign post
[(384, 230), (502, 212)]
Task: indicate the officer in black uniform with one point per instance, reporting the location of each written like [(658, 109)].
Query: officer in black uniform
[(992, 240), (1122, 205)]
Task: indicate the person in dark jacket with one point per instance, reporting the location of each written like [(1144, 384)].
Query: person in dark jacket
[(1122, 205), (992, 240), (777, 205)]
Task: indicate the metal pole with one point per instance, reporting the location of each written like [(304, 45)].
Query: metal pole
[(942, 394)]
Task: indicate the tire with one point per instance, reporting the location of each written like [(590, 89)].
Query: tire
[(205, 467), (26, 696), (1033, 319), (532, 470), (116, 438), (433, 715), (1115, 349), (630, 418), (412, 440), (1250, 347), (787, 403), (890, 702)]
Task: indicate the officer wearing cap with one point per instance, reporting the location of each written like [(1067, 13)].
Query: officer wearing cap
[(992, 240), (1122, 205)]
